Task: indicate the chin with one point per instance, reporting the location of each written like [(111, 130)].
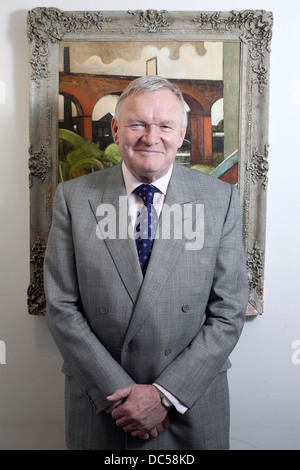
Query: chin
[(146, 173)]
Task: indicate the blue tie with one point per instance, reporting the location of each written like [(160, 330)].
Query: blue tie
[(146, 224)]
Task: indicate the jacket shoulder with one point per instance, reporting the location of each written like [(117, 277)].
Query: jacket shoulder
[(92, 183), (202, 183)]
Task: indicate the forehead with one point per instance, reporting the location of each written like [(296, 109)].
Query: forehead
[(162, 102)]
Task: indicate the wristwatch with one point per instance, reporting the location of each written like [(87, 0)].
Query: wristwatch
[(164, 400)]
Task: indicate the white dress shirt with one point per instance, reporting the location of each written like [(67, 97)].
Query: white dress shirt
[(133, 199)]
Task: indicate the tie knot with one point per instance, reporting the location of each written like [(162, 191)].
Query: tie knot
[(146, 193)]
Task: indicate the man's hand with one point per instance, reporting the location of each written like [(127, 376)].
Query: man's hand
[(142, 413)]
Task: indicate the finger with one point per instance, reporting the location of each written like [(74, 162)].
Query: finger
[(131, 427), (141, 434), (166, 422), (117, 413), (121, 419), (154, 432), (119, 394), (159, 429)]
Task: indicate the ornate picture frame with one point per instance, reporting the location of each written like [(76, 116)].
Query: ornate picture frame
[(47, 28)]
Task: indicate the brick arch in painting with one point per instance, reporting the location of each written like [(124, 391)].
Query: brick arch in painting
[(200, 95), (68, 118), (201, 135)]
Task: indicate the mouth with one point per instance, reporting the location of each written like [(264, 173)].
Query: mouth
[(147, 151)]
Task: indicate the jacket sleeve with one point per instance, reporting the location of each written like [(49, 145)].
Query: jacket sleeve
[(98, 373), (189, 375)]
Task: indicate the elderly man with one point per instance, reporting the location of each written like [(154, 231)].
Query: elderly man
[(145, 327)]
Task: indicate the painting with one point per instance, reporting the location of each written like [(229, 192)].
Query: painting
[(80, 62), (93, 74)]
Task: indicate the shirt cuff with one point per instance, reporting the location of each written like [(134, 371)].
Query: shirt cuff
[(178, 405)]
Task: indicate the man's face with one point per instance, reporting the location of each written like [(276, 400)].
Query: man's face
[(149, 131)]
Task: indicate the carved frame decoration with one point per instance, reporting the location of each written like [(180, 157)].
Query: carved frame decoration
[(46, 27)]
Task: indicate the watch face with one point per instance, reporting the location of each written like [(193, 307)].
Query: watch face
[(166, 402)]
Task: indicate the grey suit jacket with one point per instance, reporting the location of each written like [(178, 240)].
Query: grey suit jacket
[(176, 327)]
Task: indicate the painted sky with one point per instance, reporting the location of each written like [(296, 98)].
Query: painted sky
[(189, 63), (186, 60)]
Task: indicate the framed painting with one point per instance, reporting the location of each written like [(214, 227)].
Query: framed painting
[(80, 62)]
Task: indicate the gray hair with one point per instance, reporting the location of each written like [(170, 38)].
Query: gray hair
[(148, 84)]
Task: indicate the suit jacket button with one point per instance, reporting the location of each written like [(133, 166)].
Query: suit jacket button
[(168, 351), (103, 309), (185, 308)]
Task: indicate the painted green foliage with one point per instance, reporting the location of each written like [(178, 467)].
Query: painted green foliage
[(79, 156)]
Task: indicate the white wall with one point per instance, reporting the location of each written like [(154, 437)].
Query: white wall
[(264, 383)]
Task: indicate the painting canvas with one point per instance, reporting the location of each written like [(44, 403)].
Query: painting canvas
[(92, 75)]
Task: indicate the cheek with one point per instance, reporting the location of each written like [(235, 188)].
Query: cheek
[(173, 143), (128, 140)]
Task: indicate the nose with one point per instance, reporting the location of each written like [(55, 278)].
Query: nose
[(151, 135)]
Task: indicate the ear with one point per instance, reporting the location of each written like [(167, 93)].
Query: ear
[(114, 130), (182, 136)]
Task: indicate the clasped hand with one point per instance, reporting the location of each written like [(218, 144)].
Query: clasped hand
[(141, 412)]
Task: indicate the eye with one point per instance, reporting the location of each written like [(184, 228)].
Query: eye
[(166, 128), (136, 126)]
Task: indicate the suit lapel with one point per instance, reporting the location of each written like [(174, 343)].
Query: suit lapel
[(122, 250)]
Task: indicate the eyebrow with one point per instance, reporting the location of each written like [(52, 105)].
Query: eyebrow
[(142, 121)]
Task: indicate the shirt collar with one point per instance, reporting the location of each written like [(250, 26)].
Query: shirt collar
[(131, 182)]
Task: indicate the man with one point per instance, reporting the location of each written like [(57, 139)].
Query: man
[(146, 351)]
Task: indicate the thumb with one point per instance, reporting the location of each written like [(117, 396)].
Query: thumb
[(120, 394)]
